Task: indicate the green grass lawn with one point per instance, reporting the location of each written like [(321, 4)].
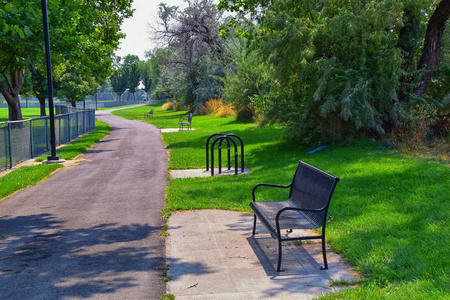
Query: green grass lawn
[(31, 175), (389, 215), (24, 177), (27, 113)]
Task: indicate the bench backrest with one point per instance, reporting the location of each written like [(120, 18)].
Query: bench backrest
[(190, 117), (151, 111), (312, 189)]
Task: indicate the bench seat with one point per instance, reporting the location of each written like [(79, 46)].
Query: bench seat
[(267, 211)]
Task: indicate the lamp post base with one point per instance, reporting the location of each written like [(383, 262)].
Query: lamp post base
[(54, 160)]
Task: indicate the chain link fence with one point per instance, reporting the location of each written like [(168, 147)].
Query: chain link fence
[(21, 140)]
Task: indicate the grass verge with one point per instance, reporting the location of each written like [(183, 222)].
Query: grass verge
[(27, 113), (31, 175), (24, 177), (389, 215), (80, 145)]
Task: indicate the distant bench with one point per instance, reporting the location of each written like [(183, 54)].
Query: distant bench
[(306, 208), (186, 122), (149, 114)]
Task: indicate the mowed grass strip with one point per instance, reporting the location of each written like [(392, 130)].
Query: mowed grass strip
[(24, 177), (27, 113), (388, 217), (31, 175), (80, 145)]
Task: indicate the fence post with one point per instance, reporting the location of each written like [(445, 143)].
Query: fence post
[(31, 139), (59, 129), (10, 146), (68, 124), (46, 133)]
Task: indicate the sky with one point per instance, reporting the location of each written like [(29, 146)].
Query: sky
[(137, 30)]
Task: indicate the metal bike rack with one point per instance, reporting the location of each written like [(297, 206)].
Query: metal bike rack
[(230, 139)]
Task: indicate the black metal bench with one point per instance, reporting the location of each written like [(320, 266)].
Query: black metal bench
[(306, 208), (186, 122), (149, 114)]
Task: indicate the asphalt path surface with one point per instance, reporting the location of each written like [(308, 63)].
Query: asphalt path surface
[(91, 230)]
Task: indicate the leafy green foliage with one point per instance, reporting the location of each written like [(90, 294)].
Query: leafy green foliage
[(247, 83), (83, 37), (131, 72), (74, 87), (338, 68), (193, 67), (118, 82)]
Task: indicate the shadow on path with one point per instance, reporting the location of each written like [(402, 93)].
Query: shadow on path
[(44, 259)]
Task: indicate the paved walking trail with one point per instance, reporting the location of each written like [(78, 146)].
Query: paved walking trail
[(90, 231)]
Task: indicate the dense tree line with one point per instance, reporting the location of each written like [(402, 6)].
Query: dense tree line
[(324, 69)]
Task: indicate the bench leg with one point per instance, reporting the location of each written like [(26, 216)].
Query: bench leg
[(254, 224), (279, 256), (324, 256)]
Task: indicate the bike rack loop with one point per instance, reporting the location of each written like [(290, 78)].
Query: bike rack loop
[(207, 148), (212, 154), (220, 154), (242, 149)]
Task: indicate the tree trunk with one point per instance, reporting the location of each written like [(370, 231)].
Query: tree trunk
[(10, 88), (432, 45), (42, 106), (15, 111)]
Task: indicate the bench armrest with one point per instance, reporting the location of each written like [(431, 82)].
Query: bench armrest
[(269, 185)]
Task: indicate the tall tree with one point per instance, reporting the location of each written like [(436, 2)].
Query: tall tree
[(21, 37), (131, 73), (118, 83), (74, 86), (82, 32), (190, 34), (432, 45), (146, 72)]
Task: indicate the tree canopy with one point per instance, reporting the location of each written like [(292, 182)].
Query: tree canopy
[(192, 38), (83, 35), (343, 68)]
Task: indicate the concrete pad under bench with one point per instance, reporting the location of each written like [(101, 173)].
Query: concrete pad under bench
[(213, 255), (165, 130)]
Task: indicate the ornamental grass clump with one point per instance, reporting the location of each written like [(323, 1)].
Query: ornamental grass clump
[(217, 108), (172, 105)]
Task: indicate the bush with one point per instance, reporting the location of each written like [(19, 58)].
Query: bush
[(246, 113), (225, 111), (217, 108), (172, 105), (418, 136)]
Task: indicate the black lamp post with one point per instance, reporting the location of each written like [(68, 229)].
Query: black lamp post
[(53, 156)]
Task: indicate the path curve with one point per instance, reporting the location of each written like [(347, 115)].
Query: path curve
[(92, 230)]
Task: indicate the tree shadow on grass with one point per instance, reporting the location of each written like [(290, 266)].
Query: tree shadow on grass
[(43, 259)]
